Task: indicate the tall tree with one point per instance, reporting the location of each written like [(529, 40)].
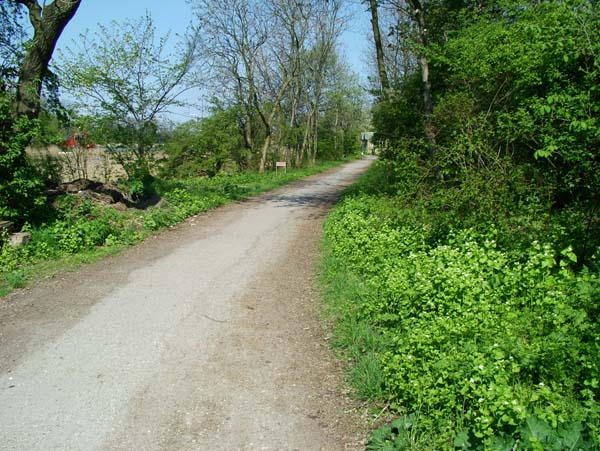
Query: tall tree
[(48, 22), (20, 185), (234, 34), (381, 69), (319, 61), (418, 15), (255, 48), (280, 64)]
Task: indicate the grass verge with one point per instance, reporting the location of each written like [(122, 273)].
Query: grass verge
[(473, 339), (80, 231)]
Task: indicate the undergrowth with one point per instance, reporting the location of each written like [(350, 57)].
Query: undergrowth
[(77, 230), (478, 333)]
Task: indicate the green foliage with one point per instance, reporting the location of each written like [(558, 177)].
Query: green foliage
[(480, 259), (206, 146), (126, 75), (490, 335), (525, 84), (20, 185), (12, 36), (402, 433), (516, 92)]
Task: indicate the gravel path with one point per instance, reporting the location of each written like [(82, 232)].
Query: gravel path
[(205, 337)]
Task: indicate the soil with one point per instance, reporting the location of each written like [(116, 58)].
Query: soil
[(205, 337)]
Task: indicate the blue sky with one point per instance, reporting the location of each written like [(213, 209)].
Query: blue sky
[(174, 16)]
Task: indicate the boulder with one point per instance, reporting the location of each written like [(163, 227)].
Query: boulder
[(19, 239)]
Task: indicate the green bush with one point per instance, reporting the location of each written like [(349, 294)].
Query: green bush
[(20, 184), (492, 341)]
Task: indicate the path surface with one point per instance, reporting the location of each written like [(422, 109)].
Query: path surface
[(205, 337)]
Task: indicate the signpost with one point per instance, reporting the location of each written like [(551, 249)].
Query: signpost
[(281, 164)]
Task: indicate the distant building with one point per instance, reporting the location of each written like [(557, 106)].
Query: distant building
[(366, 139)]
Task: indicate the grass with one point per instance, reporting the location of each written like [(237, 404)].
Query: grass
[(20, 278), (355, 341)]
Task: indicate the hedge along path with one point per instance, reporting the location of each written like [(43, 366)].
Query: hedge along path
[(204, 337)]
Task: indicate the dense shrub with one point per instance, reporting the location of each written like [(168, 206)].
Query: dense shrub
[(20, 185), (205, 146), (489, 342)]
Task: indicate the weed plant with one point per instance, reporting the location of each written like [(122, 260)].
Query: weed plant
[(480, 331)]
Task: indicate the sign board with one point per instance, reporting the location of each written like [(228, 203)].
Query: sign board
[(281, 164)]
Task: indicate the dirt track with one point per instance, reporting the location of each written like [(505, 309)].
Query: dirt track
[(205, 337)]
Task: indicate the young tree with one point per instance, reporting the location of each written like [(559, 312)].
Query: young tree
[(124, 72)]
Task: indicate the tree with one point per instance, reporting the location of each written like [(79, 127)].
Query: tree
[(269, 58), (124, 73), (12, 37), (254, 47), (343, 115), (20, 185), (381, 69), (234, 33), (411, 27), (319, 62), (48, 22), (205, 146)]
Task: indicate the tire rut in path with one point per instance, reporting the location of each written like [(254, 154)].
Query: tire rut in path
[(206, 338)]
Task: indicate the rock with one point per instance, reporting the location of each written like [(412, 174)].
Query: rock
[(19, 239), (110, 193)]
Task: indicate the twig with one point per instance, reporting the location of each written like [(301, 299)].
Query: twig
[(215, 320)]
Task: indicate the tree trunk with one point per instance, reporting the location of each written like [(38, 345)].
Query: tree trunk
[(305, 150), (383, 78), (335, 133), (263, 153), (430, 132), (423, 61), (48, 23)]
